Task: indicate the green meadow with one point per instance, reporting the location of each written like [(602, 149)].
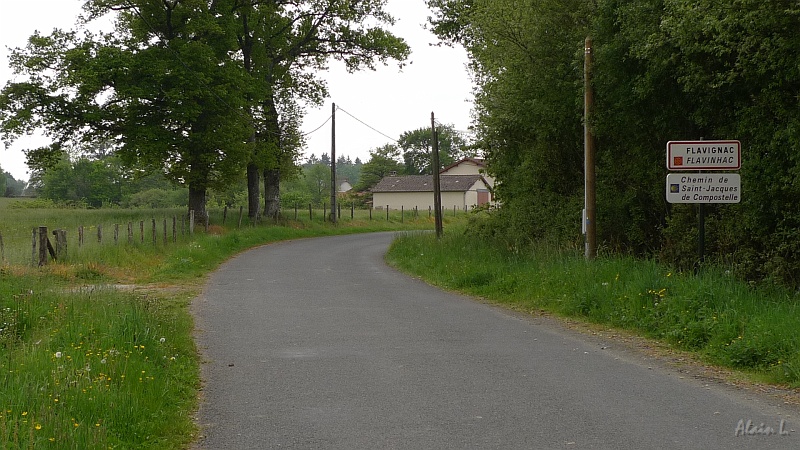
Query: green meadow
[(96, 348)]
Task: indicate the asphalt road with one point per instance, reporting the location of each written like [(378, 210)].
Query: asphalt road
[(317, 344)]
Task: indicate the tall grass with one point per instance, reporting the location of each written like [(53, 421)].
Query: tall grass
[(88, 364), (92, 368), (726, 321)]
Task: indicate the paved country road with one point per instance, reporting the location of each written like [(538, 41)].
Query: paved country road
[(317, 344)]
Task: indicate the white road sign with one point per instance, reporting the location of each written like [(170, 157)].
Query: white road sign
[(704, 155), (704, 188)]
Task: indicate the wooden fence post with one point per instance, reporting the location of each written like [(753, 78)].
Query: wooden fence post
[(402, 212), (130, 233), (141, 231), (42, 246), (99, 234), (324, 212), (2, 250), (310, 213), (387, 213), (155, 232), (352, 210), (174, 229), (116, 233), (224, 214), (61, 243), (33, 246), (191, 222), (241, 214), (165, 232), (80, 236)]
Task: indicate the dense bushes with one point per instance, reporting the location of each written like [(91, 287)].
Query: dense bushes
[(663, 70)]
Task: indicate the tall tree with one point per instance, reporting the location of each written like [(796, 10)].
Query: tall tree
[(161, 88), (524, 56), (417, 145), (282, 46), (383, 161)]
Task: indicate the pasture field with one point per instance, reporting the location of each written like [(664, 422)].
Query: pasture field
[(96, 348)]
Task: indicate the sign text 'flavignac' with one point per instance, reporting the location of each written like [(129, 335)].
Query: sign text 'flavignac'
[(704, 155)]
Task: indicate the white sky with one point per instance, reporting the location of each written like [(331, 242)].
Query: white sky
[(389, 100)]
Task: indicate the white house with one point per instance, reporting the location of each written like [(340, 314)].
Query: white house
[(469, 166), (464, 184), (345, 187)]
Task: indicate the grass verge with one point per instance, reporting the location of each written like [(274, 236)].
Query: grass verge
[(725, 321), (96, 351)]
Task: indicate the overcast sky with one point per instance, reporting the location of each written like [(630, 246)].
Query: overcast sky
[(389, 100)]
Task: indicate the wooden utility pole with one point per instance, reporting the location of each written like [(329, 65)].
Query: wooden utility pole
[(437, 192), (333, 163), (589, 157)]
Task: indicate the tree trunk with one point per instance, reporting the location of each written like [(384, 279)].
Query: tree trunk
[(253, 190), (272, 192), (197, 203)]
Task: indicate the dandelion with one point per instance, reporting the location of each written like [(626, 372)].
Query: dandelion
[(58, 354), (24, 413), (162, 340), (38, 426)]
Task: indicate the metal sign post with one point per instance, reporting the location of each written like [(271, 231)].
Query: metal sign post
[(704, 188)]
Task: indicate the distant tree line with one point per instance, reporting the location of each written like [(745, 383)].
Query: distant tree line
[(663, 70), (10, 187)]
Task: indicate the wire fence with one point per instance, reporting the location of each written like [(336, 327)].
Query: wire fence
[(37, 238)]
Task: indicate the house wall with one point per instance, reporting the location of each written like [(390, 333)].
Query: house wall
[(421, 200), (469, 168)]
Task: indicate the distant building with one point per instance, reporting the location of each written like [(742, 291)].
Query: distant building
[(469, 166), (462, 184), (345, 187)]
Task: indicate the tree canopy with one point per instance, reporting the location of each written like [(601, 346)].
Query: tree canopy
[(383, 161), (417, 147), (663, 70), (197, 90)]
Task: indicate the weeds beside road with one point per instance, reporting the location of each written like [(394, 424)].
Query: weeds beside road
[(724, 321)]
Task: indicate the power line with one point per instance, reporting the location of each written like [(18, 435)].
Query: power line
[(319, 127), (368, 126)]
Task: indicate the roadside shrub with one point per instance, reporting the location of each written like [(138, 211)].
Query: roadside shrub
[(159, 198)]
